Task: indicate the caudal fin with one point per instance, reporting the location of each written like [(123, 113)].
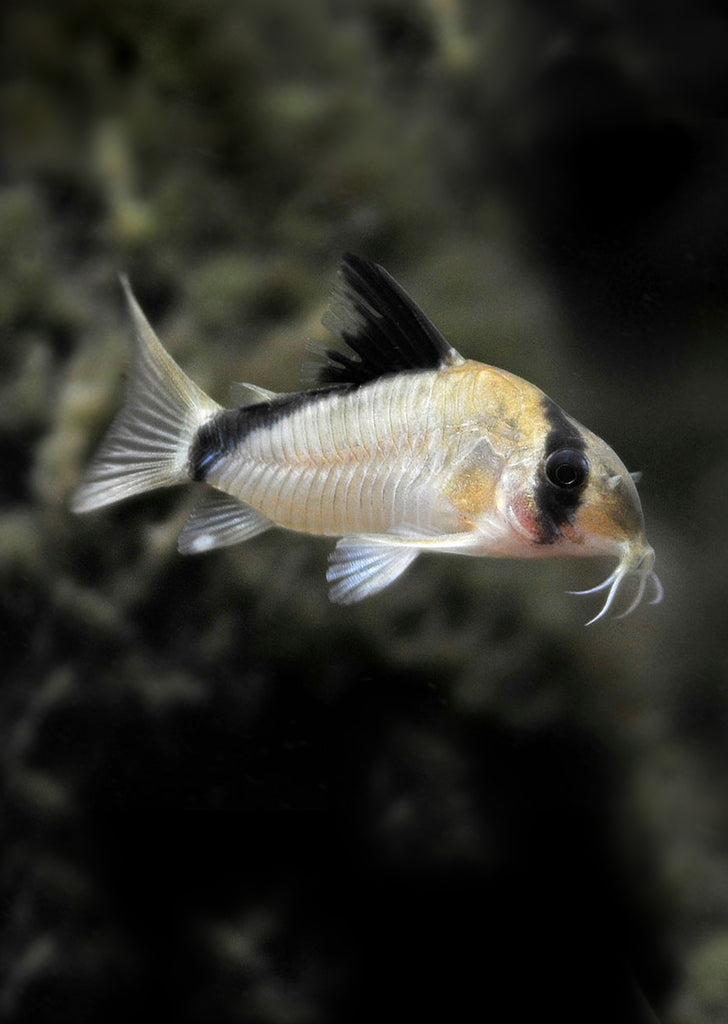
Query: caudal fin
[(148, 443)]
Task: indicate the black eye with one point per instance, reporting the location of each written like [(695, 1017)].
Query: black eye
[(567, 469)]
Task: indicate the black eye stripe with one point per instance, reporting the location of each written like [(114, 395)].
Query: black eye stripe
[(558, 501), (563, 433)]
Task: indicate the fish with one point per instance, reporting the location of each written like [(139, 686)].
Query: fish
[(402, 446)]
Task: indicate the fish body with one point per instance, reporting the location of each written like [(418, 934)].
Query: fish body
[(405, 446)]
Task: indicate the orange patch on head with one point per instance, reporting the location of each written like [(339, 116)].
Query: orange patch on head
[(612, 515), (472, 491)]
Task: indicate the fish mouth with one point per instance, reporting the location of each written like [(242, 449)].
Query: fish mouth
[(634, 565)]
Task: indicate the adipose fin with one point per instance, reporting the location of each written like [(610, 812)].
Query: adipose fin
[(250, 394)]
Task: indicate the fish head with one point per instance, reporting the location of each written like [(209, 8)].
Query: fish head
[(609, 520), (580, 500), (588, 499)]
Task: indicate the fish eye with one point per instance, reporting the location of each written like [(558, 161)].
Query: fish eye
[(567, 469)]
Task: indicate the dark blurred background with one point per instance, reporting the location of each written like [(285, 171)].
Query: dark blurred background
[(223, 797)]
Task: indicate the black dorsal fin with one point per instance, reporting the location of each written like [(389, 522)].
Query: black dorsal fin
[(381, 325)]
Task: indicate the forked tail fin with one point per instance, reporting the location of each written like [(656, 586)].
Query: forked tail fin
[(148, 443)]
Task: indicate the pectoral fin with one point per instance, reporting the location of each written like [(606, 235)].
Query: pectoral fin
[(364, 564), (218, 521), (359, 568)]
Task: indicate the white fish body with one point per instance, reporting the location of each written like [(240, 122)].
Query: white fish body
[(406, 447)]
